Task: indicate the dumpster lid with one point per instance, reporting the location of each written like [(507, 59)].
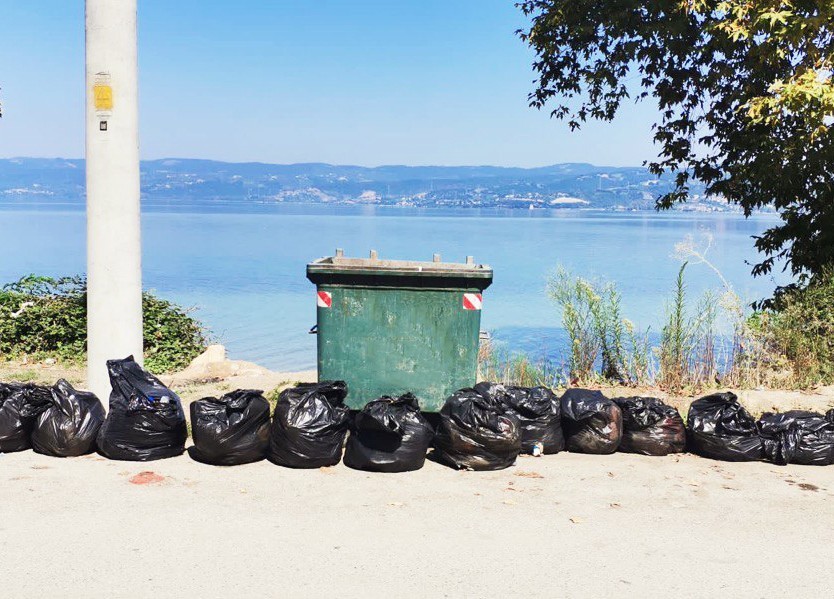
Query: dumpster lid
[(373, 265)]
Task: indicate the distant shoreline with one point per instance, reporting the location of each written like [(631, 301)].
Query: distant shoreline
[(238, 206), (554, 187)]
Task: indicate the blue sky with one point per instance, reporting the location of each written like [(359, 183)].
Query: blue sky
[(343, 81)]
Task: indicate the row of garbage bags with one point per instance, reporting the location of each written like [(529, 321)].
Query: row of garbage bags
[(482, 428)]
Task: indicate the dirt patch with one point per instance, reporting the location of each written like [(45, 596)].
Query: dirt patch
[(528, 474)]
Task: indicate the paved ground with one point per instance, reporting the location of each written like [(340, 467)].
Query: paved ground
[(559, 526)]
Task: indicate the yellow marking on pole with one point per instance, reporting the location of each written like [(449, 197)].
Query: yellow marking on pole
[(103, 95)]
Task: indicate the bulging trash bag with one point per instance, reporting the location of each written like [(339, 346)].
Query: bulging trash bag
[(650, 427), (67, 420), (540, 416), (475, 433), (719, 427), (389, 435), (15, 417), (592, 422), (309, 425), (797, 437), (145, 421), (230, 430)]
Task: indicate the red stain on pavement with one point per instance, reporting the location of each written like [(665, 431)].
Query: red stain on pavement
[(146, 478)]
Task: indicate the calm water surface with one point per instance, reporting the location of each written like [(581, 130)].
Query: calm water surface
[(244, 271)]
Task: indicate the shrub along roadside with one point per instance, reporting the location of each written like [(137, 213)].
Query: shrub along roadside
[(45, 317), (801, 327), (788, 346)]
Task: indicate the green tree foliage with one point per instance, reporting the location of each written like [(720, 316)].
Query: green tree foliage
[(745, 92), (42, 316)]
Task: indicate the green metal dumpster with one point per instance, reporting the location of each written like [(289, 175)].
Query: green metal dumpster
[(389, 327)]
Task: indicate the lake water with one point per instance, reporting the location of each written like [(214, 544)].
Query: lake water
[(243, 267)]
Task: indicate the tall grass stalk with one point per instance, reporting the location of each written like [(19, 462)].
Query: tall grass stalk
[(676, 338), (597, 332), (515, 369)]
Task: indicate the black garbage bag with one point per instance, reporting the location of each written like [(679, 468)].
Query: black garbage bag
[(592, 422), (719, 427), (230, 430), (475, 433), (67, 420), (16, 418), (797, 437), (650, 427), (389, 435), (309, 425), (540, 415), (145, 421)]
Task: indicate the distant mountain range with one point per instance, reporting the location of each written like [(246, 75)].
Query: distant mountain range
[(40, 180)]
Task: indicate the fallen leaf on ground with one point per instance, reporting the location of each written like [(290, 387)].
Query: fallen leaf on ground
[(576, 520), (146, 478), (528, 474), (614, 505)]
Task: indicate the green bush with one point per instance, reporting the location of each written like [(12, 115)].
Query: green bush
[(801, 326), (45, 317)]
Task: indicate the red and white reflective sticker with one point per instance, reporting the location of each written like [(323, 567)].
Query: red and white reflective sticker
[(472, 301), (324, 299)]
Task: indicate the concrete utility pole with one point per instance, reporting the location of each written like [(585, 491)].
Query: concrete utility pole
[(114, 250)]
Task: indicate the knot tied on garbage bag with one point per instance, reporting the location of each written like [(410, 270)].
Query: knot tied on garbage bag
[(145, 421), (309, 425), (592, 422), (389, 435), (650, 427), (230, 430), (475, 433), (797, 437), (67, 421), (719, 427)]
